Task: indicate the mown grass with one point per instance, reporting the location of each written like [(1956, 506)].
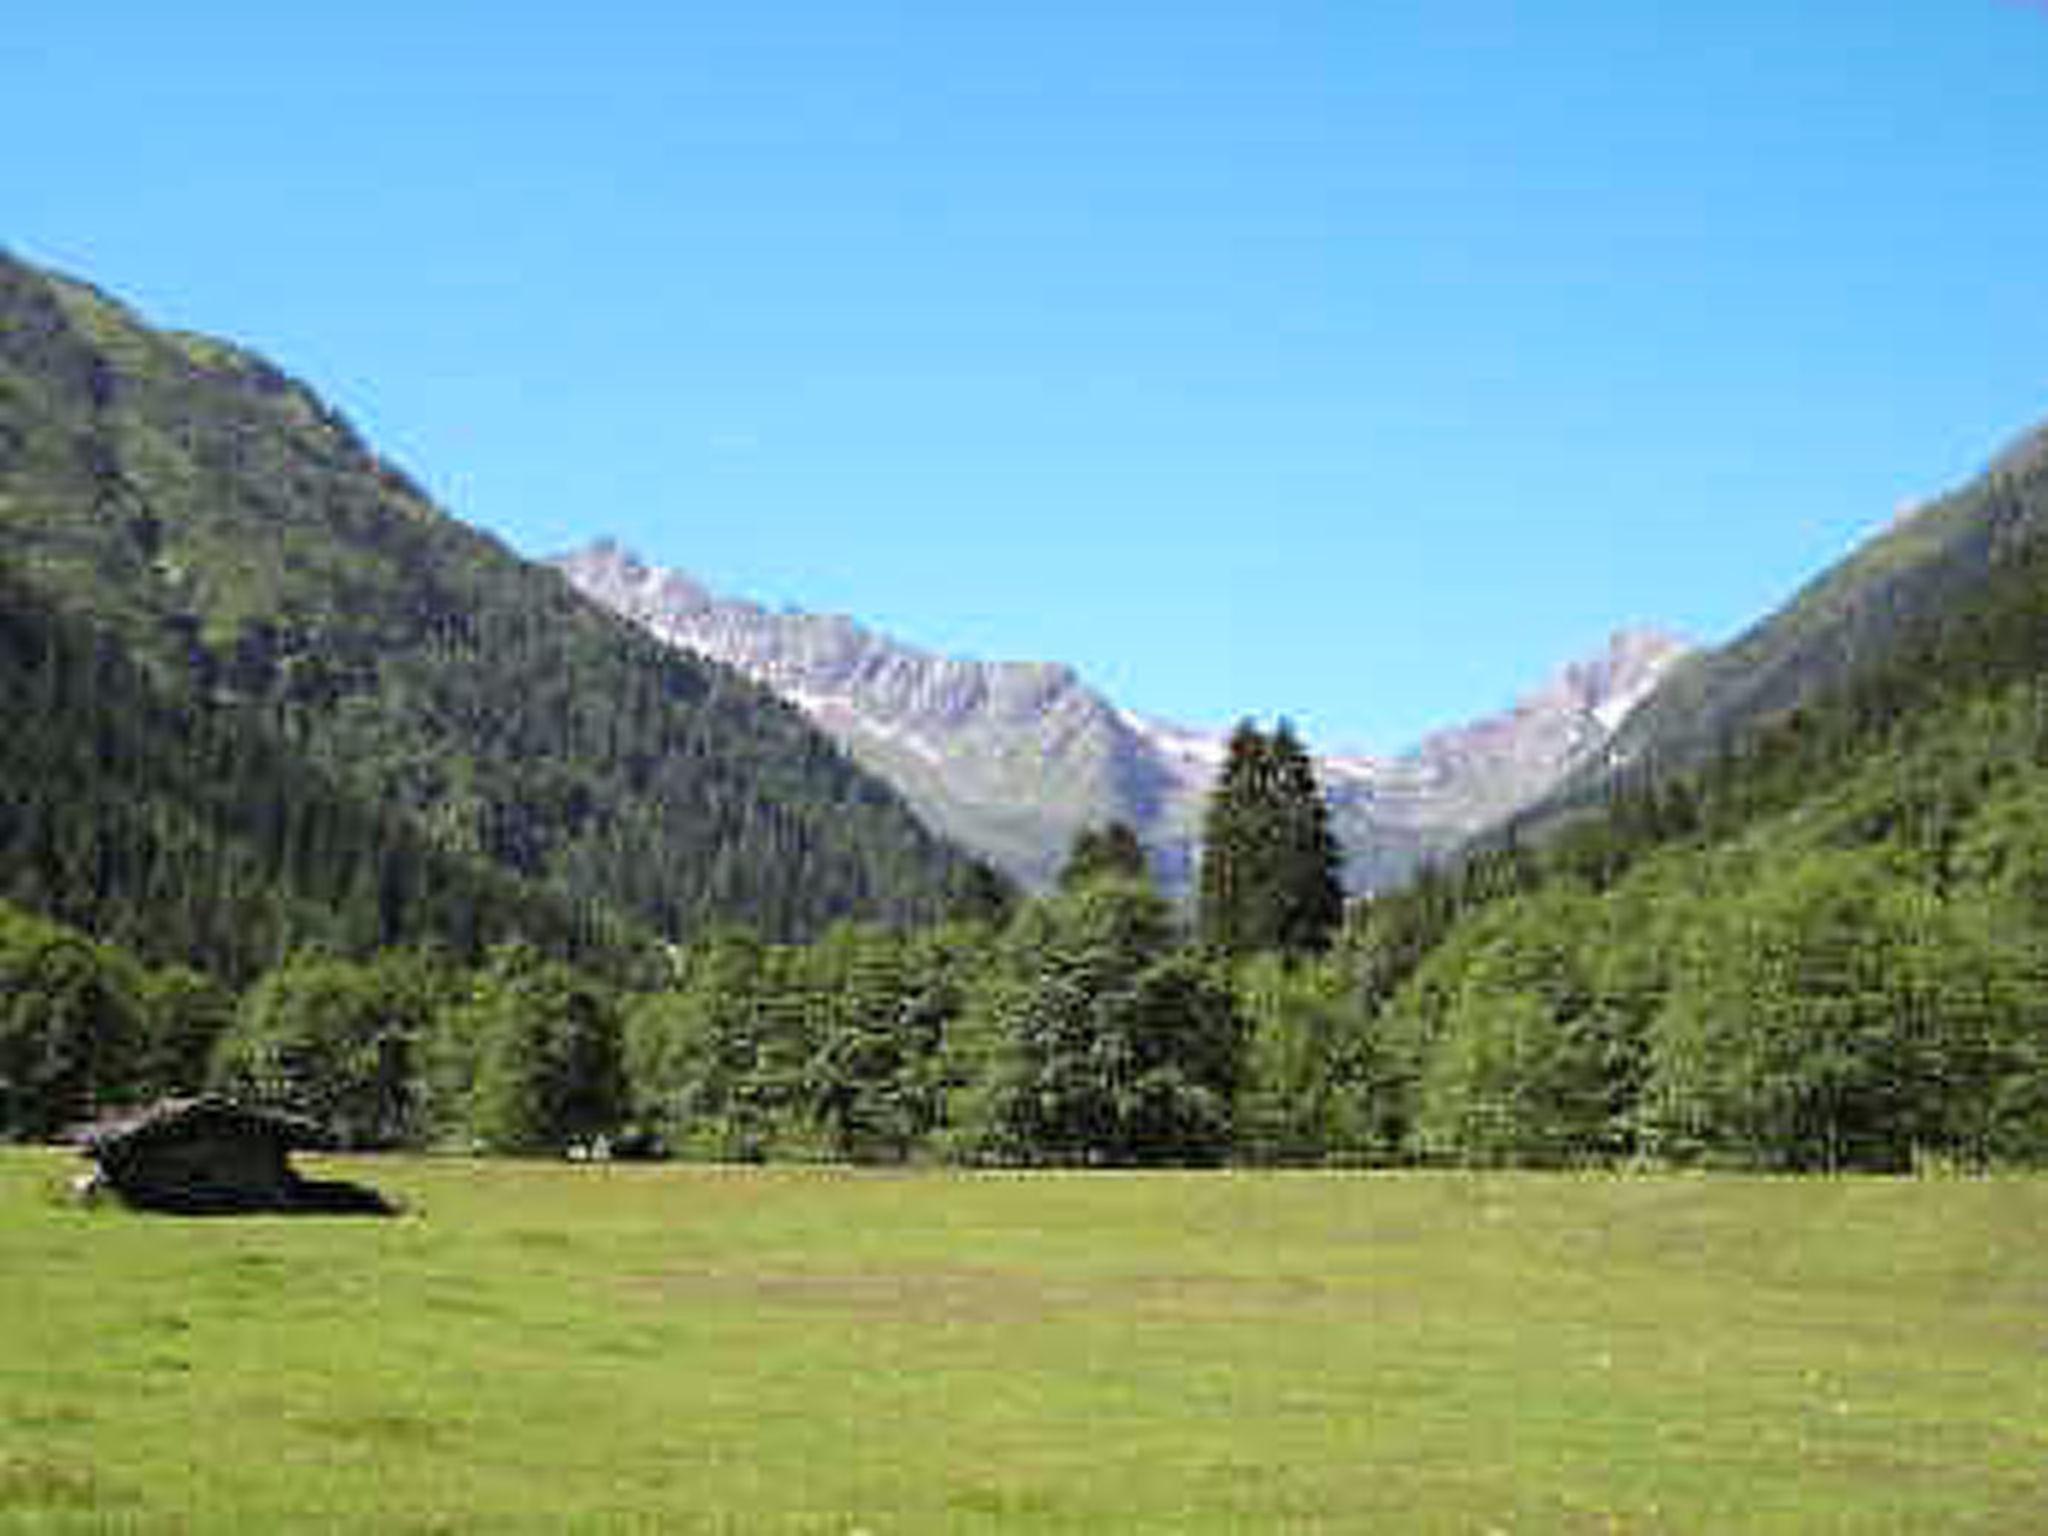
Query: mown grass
[(542, 1348)]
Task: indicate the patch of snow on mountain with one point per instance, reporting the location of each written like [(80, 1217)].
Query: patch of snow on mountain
[(1611, 712), (838, 711), (1189, 754), (1031, 744)]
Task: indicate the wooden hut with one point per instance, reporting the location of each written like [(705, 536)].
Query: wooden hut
[(210, 1155)]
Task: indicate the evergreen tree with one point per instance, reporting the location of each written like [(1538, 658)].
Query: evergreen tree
[(1270, 864), (334, 1039), (188, 1013), (1310, 1069), (1110, 850), (72, 1026), (706, 1072), (1109, 1044), (871, 1085), (1500, 1047), (549, 1073), (980, 893)]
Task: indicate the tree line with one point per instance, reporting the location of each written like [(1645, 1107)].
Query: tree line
[(1714, 970), (1091, 1026)]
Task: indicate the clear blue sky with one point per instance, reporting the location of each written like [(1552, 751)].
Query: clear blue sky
[(1355, 361)]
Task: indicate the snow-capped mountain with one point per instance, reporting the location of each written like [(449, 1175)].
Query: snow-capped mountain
[(1011, 759)]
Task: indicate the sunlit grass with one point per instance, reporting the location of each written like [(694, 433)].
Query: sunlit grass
[(618, 1348)]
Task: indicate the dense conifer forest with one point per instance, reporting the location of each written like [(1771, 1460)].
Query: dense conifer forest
[(186, 830)]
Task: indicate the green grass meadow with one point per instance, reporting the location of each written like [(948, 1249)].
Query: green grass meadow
[(564, 1348)]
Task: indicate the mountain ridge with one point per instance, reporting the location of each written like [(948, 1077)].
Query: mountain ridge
[(1011, 758)]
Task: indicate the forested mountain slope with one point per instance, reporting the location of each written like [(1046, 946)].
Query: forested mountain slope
[(1933, 558), (243, 543), (1819, 945), (186, 830)]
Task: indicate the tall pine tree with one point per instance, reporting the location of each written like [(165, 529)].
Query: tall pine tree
[(1110, 851), (1270, 865)]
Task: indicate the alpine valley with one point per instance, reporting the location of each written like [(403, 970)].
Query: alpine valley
[(1014, 759), (432, 811)]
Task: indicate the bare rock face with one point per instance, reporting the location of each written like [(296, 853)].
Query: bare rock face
[(1011, 759), (1391, 814)]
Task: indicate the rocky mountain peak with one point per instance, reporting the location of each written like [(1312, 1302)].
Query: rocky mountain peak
[(1013, 758), (1613, 681)]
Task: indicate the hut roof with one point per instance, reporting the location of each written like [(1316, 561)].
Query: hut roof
[(206, 1114)]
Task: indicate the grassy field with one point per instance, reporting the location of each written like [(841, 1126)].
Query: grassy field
[(551, 1348)]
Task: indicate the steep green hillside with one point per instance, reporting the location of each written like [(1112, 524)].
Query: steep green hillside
[(1934, 558), (1821, 946), (188, 831), (243, 543)]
